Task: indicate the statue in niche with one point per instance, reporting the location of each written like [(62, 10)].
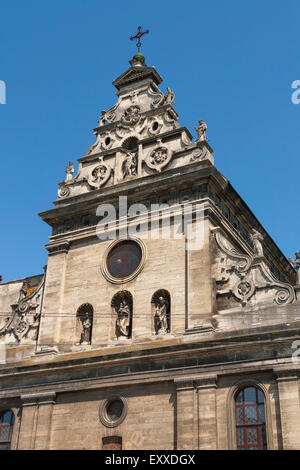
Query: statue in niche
[(257, 238), (201, 131), (86, 334), (123, 320), (160, 317), (69, 172), (129, 166)]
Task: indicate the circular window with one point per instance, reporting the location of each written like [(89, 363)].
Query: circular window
[(112, 411), (124, 260)]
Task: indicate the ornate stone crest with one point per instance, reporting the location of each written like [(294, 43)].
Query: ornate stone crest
[(99, 175), (131, 117), (25, 315), (159, 158)]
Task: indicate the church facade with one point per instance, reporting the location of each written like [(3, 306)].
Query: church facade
[(166, 317)]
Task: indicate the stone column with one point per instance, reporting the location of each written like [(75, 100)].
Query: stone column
[(185, 413), (288, 391), (36, 421), (207, 412)]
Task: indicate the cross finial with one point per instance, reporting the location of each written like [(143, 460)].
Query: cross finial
[(138, 36)]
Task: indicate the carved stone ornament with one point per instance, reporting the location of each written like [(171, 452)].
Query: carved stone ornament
[(200, 153), (63, 191), (243, 275), (159, 158), (297, 266), (69, 172), (201, 131), (131, 117), (25, 315), (129, 165), (99, 175)]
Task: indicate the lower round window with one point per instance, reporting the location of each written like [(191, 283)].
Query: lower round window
[(113, 411), (124, 259)]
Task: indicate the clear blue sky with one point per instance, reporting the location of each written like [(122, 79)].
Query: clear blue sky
[(230, 63)]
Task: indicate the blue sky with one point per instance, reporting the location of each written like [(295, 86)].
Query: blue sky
[(230, 63)]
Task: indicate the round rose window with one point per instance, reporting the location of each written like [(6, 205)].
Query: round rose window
[(124, 259)]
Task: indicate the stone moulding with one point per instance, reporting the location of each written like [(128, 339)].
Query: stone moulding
[(242, 275)]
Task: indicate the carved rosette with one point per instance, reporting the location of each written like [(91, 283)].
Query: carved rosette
[(244, 290), (99, 175), (159, 158)]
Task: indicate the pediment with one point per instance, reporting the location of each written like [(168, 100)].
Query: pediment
[(136, 74)]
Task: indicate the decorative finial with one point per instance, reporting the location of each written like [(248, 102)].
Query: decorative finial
[(138, 36)]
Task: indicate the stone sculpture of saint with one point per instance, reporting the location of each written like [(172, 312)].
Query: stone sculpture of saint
[(257, 239), (169, 96), (123, 320), (297, 266), (69, 172), (129, 165), (85, 337), (103, 118), (160, 318), (201, 131)]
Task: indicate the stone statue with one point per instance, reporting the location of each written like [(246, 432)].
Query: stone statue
[(257, 238), (160, 318), (129, 165), (201, 131), (169, 96), (123, 320), (85, 337), (102, 119), (69, 172), (297, 266)]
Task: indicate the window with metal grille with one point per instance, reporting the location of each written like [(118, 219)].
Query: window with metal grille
[(7, 420), (250, 419)]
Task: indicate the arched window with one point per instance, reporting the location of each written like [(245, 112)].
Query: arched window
[(7, 419), (84, 324), (250, 419)]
